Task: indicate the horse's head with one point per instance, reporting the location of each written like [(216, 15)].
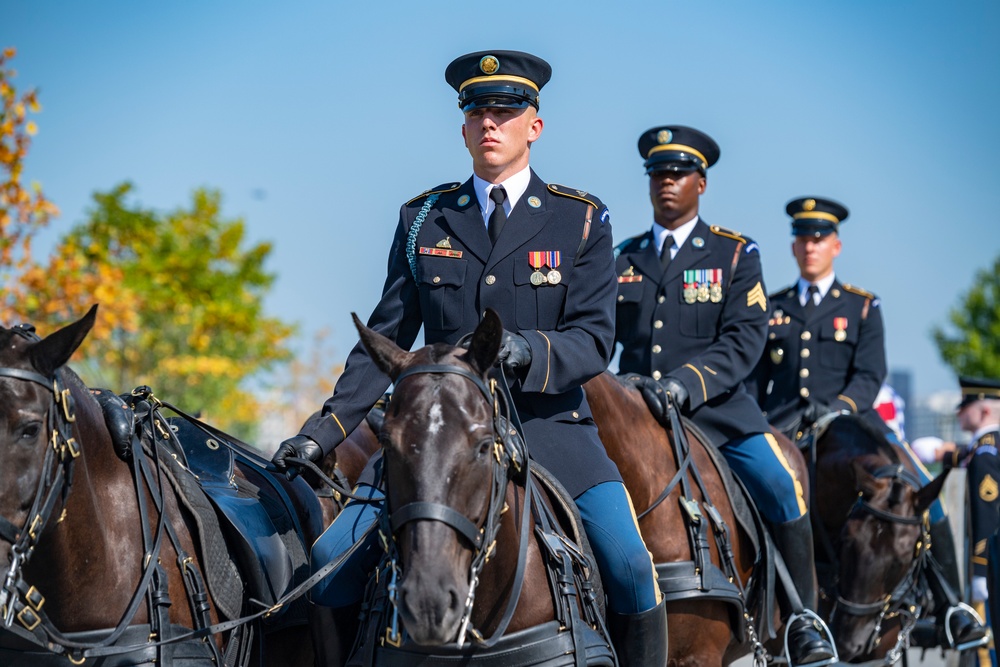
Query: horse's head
[(35, 413), (440, 459), (882, 546)]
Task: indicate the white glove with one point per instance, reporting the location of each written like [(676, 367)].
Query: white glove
[(979, 591), (926, 448)]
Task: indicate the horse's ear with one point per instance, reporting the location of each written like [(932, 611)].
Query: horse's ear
[(485, 344), (930, 492), (55, 349), (864, 481), (389, 357)]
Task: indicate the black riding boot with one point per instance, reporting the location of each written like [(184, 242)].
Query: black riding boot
[(965, 629), (807, 643), (640, 640)]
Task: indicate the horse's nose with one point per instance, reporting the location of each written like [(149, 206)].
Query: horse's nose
[(431, 610)]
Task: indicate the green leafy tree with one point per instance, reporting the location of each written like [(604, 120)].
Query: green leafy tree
[(23, 210), (181, 299), (974, 349)]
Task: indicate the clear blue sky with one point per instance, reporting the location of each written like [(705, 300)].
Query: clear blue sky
[(335, 113)]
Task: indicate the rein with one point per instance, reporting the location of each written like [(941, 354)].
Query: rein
[(481, 539)]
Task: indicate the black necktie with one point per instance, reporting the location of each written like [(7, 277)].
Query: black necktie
[(810, 301), (668, 243), (498, 217)]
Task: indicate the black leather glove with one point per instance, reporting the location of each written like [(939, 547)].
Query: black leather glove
[(515, 353), (297, 446), (678, 391)]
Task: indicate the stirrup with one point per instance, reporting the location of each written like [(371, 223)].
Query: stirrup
[(975, 643), (824, 630)]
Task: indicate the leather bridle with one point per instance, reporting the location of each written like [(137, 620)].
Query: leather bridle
[(482, 539), (899, 601), (53, 486)]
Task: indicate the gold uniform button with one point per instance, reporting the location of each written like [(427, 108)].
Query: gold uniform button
[(490, 279), (804, 392), (657, 375), (804, 373), (658, 324), (656, 349), (806, 335), (576, 415), (436, 279), (661, 299), (804, 353), (621, 297)]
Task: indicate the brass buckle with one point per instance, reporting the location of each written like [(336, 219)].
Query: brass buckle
[(73, 447), (65, 400), (28, 618), (35, 524), (397, 642), (35, 598)]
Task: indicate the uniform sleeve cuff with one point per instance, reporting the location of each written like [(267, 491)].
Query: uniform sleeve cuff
[(537, 378), (327, 431)]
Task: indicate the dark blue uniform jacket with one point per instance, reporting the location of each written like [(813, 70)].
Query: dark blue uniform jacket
[(711, 343), (569, 324), (836, 358)]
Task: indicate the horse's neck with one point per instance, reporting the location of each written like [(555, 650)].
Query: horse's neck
[(497, 579), (90, 546)]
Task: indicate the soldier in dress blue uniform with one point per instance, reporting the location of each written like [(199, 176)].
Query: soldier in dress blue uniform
[(692, 319), (825, 353), (979, 414), (542, 257)]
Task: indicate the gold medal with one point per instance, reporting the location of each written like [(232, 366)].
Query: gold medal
[(702, 292), (553, 277), (715, 292), (690, 293), (538, 278), (840, 336), (777, 354)]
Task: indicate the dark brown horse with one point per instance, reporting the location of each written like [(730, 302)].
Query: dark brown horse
[(701, 630), (76, 560), (468, 562), (873, 541)]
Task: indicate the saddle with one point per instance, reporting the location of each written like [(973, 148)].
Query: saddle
[(250, 539), (700, 578)]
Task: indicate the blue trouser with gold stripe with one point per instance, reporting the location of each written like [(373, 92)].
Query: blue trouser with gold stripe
[(758, 461), (625, 565)]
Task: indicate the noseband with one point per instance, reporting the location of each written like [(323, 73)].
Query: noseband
[(53, 486), (507, 459), (897, 602)]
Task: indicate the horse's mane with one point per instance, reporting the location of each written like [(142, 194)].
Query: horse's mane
[(872, 440)]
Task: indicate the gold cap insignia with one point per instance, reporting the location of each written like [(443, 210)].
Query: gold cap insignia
[(664, 136), (489, 64), (988, 489), (444, 243), (808, 204)]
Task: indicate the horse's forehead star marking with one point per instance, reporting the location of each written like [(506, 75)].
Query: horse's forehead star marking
[(436, 416)]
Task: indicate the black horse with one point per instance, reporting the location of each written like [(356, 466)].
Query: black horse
[(101, 557), (872, 538), (469, 545)]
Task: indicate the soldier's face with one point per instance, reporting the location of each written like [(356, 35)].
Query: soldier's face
[(815, 255), (674, 196), (499, 140)]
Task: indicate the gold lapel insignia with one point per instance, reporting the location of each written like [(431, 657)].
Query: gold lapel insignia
[(444, 243), (463, 200)]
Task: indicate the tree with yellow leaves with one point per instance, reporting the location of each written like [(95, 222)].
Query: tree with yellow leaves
[(23, 211), (181, 303)]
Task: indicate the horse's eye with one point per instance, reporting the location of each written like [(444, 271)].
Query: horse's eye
[(31, 431), (485, 446)]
